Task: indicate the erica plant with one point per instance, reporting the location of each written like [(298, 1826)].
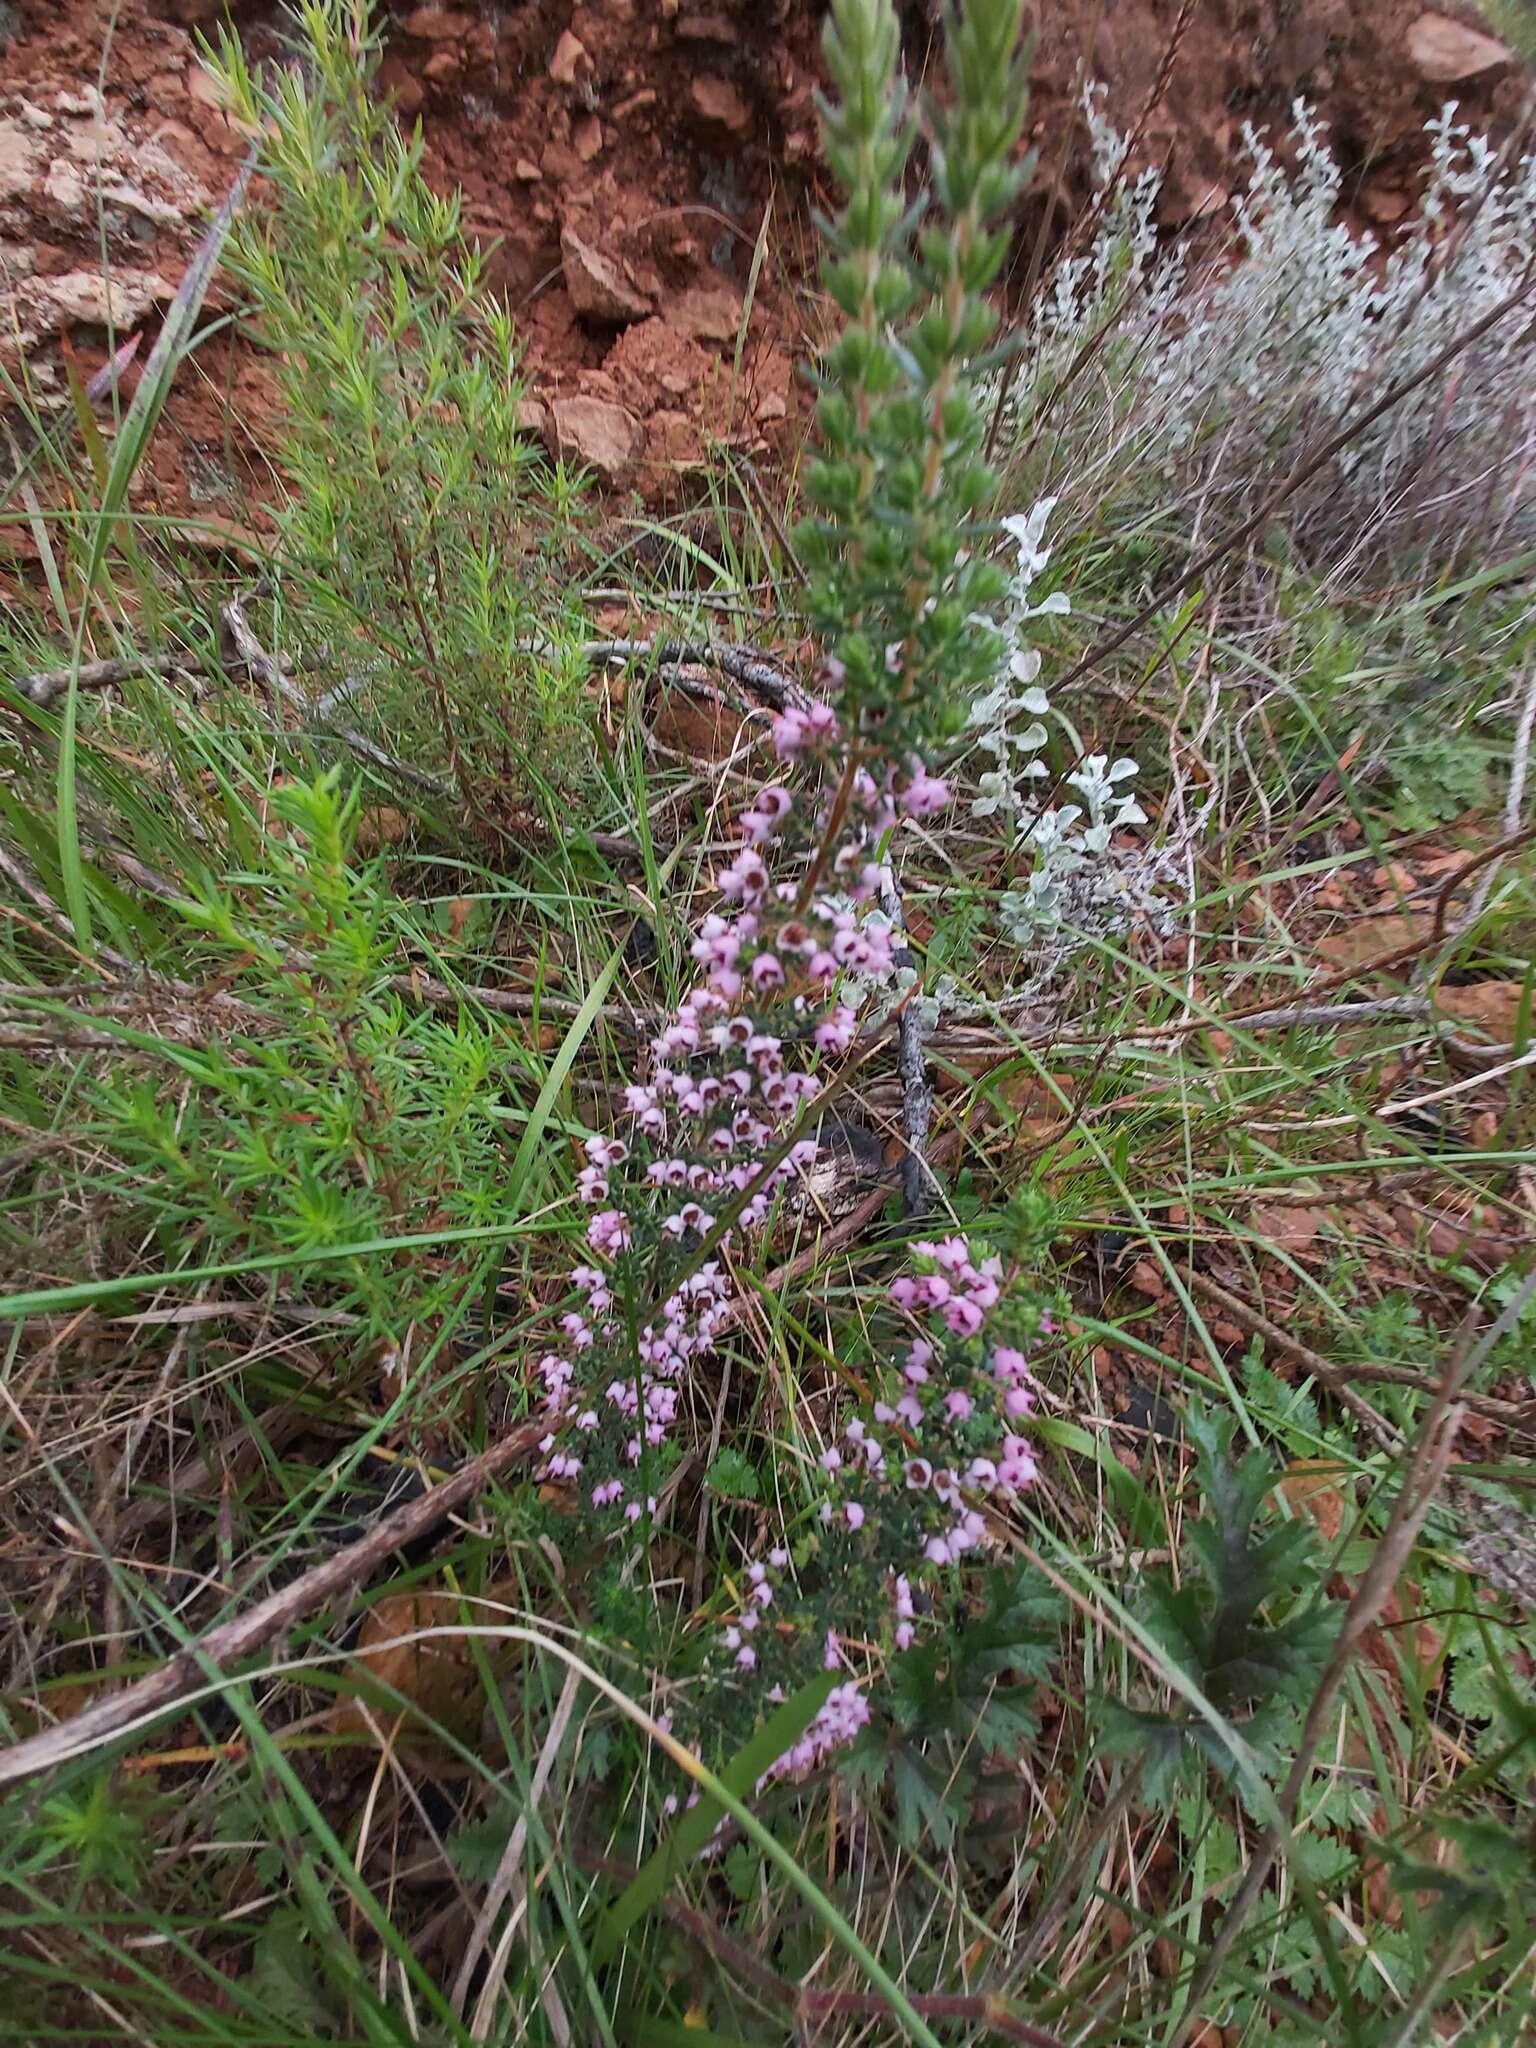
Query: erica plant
[(721, 1117), (897, 548)]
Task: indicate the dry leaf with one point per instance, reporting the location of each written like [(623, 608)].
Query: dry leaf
[(379, 826), (437, 1675), (1311, 1488), (1289, 1226), (701, 731), (1489, 1006), (1357, 945)]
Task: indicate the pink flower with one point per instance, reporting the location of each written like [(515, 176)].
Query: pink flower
[(689, 1217), (1016, 1468), (745, 880), (918, 1473), (925, 794), (718, 943), (605, 1152), (790, 733), (769, 808), (854, 1515), (963, 1316), (837, 1030), (609, 1232), (957, 1404)]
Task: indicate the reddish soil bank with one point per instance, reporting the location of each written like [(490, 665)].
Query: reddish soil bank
[(631, 157)]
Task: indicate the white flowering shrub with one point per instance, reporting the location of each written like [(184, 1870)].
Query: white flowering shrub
[(1191, 385), (1006, 718), (1077, 881)]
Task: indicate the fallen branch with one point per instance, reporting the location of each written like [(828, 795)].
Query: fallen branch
[(1334, 1016), (45, 685), (745, 665), (232, 1641), (1266, 1017)]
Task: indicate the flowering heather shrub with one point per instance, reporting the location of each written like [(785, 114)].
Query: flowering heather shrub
[(1203, 379), (717, 1132), (721, 1121)]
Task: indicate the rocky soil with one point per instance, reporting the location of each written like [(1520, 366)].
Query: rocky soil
[(638, 163)]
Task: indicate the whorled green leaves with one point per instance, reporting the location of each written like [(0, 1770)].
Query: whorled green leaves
[(898, 576)]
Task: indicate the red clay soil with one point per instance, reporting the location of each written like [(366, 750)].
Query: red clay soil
[(629, 156)]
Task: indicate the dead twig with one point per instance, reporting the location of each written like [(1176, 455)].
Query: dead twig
[(1398, 956), (46, 685), (916, 1094), (244, 1634), (442, 995), (1257, 1325), (1516, 1414), (771, 684), (1334, 1016)]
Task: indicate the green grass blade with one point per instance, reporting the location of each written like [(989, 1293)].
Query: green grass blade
[(127, 453), (782, 1729)]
